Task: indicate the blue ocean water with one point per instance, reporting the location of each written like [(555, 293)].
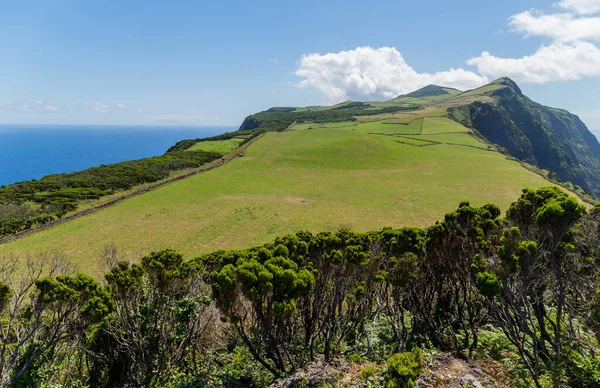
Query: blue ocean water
[(33, 151)]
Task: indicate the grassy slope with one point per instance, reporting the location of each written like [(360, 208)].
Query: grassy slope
[(314, 179), (223, 146)]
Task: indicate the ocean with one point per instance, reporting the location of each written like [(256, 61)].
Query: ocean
[(33, 151)]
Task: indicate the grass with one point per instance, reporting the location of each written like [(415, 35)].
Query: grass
[(433, 125), (221, 146), (417, 141), (313, 179), (411, 128), (455, 138)]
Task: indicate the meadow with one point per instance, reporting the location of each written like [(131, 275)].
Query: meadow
[(220, 146), (317, 179)]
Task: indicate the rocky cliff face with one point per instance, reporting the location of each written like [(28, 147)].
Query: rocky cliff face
[(550, 138)]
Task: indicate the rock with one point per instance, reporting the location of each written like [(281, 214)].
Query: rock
[(315, 374), (470, 381)]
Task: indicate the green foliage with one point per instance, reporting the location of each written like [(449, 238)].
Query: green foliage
[(51, 197), (94, 300), (368, 373), (5, 295), (464, 285), (488, 284), (277, 120), (183, 145), (404, 368)]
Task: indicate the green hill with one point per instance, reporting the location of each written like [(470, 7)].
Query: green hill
[(357, 164), (315, 177)]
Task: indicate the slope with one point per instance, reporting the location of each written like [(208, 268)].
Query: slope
[(550, 138), (364, 175)]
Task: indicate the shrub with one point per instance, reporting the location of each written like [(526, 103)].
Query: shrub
[(404, 368), (368, 373)]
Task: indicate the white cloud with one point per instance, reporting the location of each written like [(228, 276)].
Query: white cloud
[(120, 107), (98, 107), (563, 27), (51, 108), (571, 55), (583, 7), (274, 61), (373, 72), (556, 62), (39, 102), (25, 108)]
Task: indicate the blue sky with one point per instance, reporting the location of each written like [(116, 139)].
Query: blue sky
[(214, 62)]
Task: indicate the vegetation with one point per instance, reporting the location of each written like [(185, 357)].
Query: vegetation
[(27, 204), (474, 284), (277, 120), (295, 180), (219, 146), (183, 145), (552, 139), (548, 138)]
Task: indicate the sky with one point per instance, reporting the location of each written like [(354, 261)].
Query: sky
[(215, 62)]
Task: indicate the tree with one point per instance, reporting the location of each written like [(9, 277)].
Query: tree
[(162, 321), (44, 311), (533, 278)]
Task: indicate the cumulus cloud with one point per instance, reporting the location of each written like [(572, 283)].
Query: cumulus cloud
[(571, 54), (51, 108), (556, 62), (373, 72), (563, 27), (97, 107), (25, 108), (583, 7), (120, 107)]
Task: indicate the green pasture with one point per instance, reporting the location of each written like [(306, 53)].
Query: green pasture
[(316, 180), (221, 146)]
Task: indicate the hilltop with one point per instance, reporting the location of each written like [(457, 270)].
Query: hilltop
[(428, 92), (549, 138)]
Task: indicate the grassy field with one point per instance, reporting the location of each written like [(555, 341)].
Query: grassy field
[(222, 146), (433, 125), (314, 179)]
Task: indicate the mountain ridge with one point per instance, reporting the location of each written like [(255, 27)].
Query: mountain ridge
[(551, 138), (431, 90), (546, 137)]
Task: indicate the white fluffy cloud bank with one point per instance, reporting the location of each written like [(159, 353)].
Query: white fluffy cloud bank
[(373, 72), (584, 7), (562, 27), (572, 28), (556, 62), (572, 53)]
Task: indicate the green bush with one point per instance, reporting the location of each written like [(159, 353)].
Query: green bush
[(368, 373), (404, 368)]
